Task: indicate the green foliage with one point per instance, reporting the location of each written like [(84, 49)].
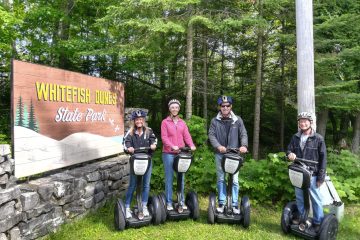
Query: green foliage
[(197, 129), (344, 170), (266, 180)]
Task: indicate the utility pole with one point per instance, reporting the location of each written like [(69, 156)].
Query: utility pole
[(305, 57)]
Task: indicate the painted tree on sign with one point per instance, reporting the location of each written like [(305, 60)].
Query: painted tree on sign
[(32, 120)]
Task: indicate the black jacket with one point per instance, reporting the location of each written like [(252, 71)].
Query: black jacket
[(314, 149), (236, 137), (145, 140)]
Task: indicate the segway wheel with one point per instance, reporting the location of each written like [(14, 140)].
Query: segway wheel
[(211, 208), (245, 211), (155, 208), (162, 204), (289, 211), (192, 202), (119, 215), (329, 228)]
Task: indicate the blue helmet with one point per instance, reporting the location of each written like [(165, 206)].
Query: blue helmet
[(137, 114), (224, 99)]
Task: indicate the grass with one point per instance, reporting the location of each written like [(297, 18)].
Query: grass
[(265, 224)]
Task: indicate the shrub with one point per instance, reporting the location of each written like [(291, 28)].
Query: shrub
[(344, 170)]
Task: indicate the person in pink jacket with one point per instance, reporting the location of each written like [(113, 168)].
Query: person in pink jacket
[(174, 134)]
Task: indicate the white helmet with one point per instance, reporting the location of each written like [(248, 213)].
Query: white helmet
[(305, 115), (174, 101)]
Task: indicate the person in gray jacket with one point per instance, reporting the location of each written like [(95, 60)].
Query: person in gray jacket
[(227, 130)]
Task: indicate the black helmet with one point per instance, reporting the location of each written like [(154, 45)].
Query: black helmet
[(174, 101), (305, 115), (137, 114)]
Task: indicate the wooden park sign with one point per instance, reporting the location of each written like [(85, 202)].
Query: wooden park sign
[(61, 118)]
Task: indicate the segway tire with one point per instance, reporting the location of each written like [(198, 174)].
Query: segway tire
[(329, 228), (119, 215), (192, 202), (289, 211), (155, 208), (245, 211), (211, 208), (162, 204)]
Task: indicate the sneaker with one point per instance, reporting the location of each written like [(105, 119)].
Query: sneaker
[(128, 213), (169, 207), (146, 211), (185, 207), (296, 221), (316, 227), (236, 210), (220, 209)]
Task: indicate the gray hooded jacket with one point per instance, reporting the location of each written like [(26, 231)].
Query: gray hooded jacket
[(237, 136)]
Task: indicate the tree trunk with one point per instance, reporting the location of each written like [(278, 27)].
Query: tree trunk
[(189, 70), (282, 92), (222, 81), (334, 127), (64, 33), (205, 75), (323, 116), (305, 57), (259, 56), (356, 137)]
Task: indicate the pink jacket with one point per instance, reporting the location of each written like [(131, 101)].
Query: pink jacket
[(174, 135)]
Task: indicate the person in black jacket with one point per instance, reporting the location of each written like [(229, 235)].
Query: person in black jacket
[(139, 135), (308, 144), (227, 130)]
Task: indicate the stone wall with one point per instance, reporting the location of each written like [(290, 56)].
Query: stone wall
[(35, 208)]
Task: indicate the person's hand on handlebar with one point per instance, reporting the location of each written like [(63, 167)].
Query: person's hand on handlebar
[(221, 149), (175, 148), (153, 147), (243, 149), (193, 148), (131, 150), (292, 156)]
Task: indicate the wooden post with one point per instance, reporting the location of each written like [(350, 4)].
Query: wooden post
[(305, 57)]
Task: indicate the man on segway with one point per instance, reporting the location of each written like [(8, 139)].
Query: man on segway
[(227, 130), (307, 144)]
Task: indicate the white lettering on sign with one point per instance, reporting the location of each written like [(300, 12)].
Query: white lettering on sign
[(95, 116), (64, 115)]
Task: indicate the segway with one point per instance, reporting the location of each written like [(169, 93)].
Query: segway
[(139, 164), (300, 176), (231, 162), (181, 165)]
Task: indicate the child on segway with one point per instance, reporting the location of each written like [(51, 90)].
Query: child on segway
[(139, 135)]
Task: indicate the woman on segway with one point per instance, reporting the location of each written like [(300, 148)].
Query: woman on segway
[(174, 134), (139, 135)]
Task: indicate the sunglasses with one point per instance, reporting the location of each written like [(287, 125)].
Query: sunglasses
[(225, 106)]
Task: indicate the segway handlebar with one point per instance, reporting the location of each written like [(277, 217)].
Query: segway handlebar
[(141, 149), (305, 160)]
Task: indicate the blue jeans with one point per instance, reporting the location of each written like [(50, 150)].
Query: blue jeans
[(145, 187), (168, 160), (221, 184), (315, 197)]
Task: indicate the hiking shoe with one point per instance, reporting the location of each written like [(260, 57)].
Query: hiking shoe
[(146, 211), (128, 213), (220, 209), (236, 210), (169, 207)]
